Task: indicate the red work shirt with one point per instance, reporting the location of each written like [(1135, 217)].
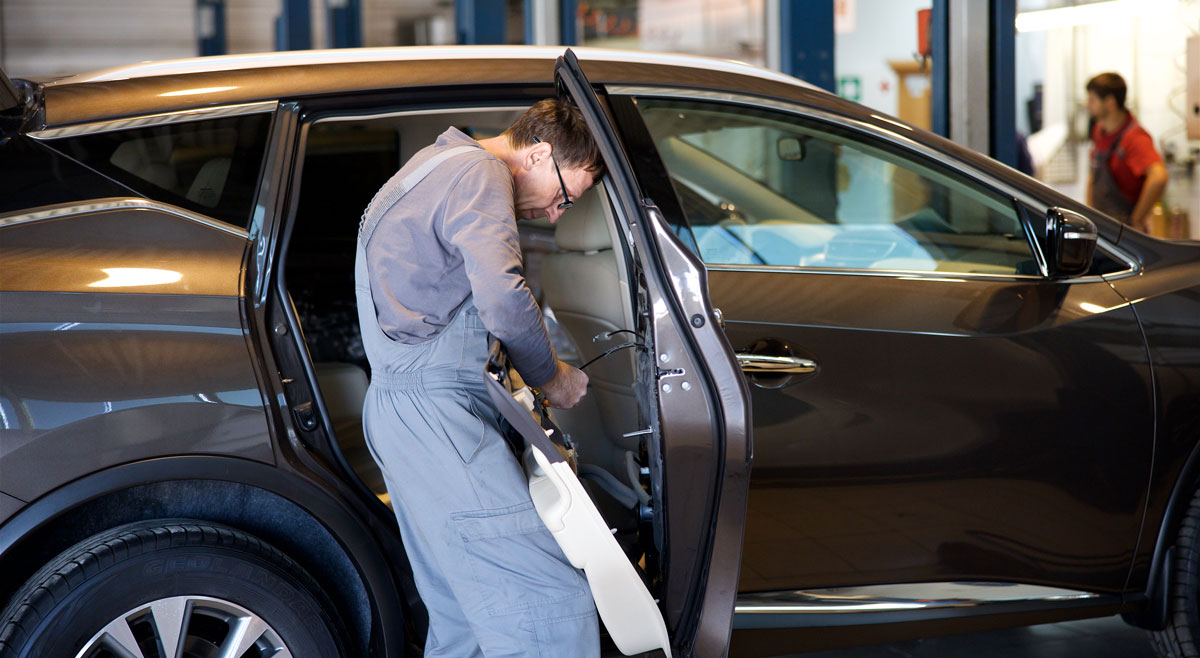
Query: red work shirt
[(1133, 157)]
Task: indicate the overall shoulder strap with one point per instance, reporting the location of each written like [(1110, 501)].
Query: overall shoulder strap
[(392, 192), (1116, 148)]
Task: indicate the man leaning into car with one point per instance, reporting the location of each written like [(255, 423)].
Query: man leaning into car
[(438, 268)]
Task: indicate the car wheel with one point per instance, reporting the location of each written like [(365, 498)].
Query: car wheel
[(170, 589), (1179, 638)]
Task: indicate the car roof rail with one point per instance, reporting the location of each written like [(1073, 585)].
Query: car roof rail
[(10, 97)]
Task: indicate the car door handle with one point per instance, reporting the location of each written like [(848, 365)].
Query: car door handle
[(775, 365)]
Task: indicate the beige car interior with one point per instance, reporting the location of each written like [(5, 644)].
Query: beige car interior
[(585, 294), (587, 288), (165, 161)]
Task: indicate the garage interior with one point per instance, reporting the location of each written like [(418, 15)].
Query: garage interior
[(1004, 77)]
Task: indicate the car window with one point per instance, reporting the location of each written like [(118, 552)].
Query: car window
[(211, 167), (33, 175), (767, 188)]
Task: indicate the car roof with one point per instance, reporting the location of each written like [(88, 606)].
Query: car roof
[(170, 85), (421, 53)]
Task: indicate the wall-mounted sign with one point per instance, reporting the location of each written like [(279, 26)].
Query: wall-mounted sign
[(850, 87)]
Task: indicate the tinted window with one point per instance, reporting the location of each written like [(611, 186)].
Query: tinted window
[(32, 175), (211, 167), (768, 188)]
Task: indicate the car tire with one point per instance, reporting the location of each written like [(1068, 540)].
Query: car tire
[(208, 584), (1179, 638)]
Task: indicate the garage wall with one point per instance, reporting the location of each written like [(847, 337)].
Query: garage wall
[(58, 37), (51, 37), (882, 31)]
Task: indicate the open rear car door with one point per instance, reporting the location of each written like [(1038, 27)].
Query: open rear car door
[(698, 445), (625, 605)]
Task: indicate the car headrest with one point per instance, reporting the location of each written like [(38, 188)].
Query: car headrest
[(583, 227), (206, 189)]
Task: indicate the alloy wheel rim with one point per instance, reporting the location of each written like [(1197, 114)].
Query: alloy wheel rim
[(186, 627)]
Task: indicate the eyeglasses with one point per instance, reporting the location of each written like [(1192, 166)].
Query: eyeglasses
[(566, 199)]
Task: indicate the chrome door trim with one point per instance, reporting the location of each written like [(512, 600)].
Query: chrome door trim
[(164, 118), (952, 277), (956, 277), (909, 596), (892, 137), (117, 203), (774, 365)]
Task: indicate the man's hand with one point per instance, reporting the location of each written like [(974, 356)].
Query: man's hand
[(1152, 189), (567, 388)]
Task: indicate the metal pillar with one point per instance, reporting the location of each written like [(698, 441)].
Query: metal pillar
[(551, 22), (480, 21), (210, 27), (806, 41), (343, 23), (568, 29), (542, 24), (975, 103), (293, 26), (1003, 32), (939, 44), (969, 74)]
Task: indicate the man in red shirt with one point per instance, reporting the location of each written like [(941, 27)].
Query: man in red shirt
[(1127, 175)]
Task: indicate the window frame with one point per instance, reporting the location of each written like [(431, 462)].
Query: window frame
[(905, 147)]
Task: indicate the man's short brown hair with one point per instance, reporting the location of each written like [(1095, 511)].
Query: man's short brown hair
[(560, 124), (1108, 84)]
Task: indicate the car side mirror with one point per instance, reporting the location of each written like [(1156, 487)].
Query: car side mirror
[(1072, 242), (791, 148)]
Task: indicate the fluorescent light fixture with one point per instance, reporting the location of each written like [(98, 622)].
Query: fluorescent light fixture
[(1113, 11), (198, 90), (128, 277)]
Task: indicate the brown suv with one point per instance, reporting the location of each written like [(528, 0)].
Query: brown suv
[(976, 403)]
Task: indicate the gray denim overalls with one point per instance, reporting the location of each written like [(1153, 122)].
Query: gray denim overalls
[(1106, 196), (492, 577)]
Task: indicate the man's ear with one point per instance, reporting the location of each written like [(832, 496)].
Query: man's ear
[(535, 154)]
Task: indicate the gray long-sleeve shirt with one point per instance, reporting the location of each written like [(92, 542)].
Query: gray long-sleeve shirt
[(454, 235)]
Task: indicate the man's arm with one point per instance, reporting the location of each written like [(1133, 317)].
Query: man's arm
[(1152, 189), (480, 223), (1088, 198)]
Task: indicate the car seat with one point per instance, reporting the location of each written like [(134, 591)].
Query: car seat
[(344, 388), (584, 285)]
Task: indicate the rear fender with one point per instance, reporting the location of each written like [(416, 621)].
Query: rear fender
[(1153, 616), (295, 515)]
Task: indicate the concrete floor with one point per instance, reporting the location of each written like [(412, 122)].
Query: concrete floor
[(1094, 638)]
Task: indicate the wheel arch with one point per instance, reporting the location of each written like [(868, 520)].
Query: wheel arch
[(1155, 613), (293, 514)]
